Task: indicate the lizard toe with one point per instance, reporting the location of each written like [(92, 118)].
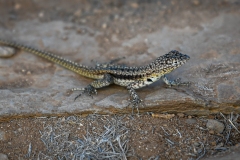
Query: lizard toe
[(89, 90)]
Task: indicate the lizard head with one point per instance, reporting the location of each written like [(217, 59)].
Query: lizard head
[(171, 61)]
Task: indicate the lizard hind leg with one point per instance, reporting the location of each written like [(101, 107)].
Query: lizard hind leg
[(89, 90), (92, 88)]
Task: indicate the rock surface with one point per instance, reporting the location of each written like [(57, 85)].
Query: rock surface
[(32, 86), (232, 154)]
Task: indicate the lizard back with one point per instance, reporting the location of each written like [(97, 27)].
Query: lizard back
[(149, 73)]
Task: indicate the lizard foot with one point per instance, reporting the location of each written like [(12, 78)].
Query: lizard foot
[(135, 103), (177, 82), (89, 90)]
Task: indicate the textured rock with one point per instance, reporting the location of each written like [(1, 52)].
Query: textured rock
[(31, 86)]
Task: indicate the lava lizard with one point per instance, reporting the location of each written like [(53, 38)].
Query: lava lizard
[(105, 74)]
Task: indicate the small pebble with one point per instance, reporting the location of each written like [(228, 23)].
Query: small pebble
[(196, 144), (19, 129), (164, 116), (78, 13), (211, 132), (213, 143), (17, 6), (83, 20), (191, 121), (215, 125), (104, 25), (2, 136), (134, 5), (181, 115), (196, 2), (3, 156), (7, 51), (41, 14)]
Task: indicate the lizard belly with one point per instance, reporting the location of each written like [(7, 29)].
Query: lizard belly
[(145, 82), (122, 82)]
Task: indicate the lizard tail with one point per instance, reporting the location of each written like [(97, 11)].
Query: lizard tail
[(73, 66)]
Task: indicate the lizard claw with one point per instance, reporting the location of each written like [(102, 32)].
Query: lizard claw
[(89, 90), (169, 82), (186, 83), (178, 82), (175, 82)]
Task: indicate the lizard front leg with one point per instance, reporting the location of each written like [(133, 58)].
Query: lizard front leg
[(176, 82), (91, 88), (135, 98)]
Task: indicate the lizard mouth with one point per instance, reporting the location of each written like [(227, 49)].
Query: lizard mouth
[(186, 57)]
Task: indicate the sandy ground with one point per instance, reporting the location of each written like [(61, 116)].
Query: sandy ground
[(156, 136)]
